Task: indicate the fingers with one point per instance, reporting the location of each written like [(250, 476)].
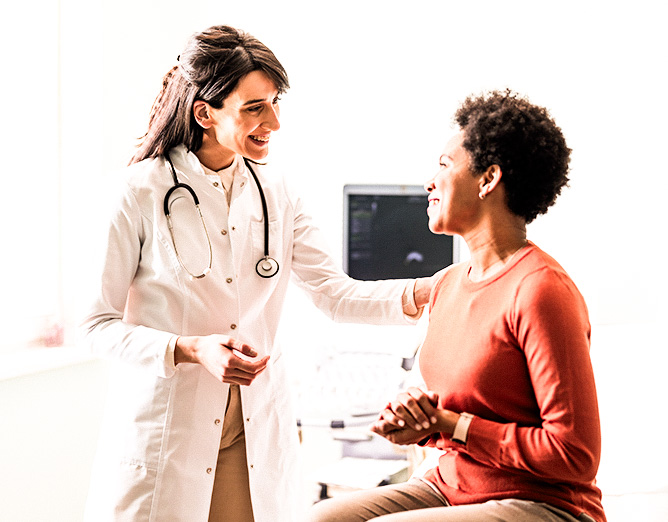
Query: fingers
[(241, 371), (386, 422), (230, 360), (415, 408), (395, 435), (243, 348), (389, 420), (433, 398)]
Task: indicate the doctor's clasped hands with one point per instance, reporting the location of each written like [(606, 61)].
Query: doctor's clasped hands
[(219, 355)]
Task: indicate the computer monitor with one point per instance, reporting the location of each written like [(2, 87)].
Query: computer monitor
[(386, 234)]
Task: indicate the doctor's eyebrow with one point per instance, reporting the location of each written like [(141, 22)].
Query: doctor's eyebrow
[(259, 100)]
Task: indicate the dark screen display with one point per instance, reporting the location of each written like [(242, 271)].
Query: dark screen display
[(389, 238)]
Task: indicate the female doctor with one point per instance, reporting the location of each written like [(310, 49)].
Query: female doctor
[(200, 250)]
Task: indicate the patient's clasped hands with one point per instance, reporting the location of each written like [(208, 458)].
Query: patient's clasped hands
[(413, 416)]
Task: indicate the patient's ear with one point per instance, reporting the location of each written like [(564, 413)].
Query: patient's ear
[(202, 114), (489, 180)]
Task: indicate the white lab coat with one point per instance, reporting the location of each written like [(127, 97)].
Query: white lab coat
[(162, 429)]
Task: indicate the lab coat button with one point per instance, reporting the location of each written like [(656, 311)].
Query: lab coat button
[(215, 183), (217, 422), (224, 232), (229, 279), (233, 326), (209, 470)]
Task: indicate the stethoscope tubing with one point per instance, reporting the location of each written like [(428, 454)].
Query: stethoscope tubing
[(266, 267), (265, 211)]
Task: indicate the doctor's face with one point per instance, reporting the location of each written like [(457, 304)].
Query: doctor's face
[(247, 118)]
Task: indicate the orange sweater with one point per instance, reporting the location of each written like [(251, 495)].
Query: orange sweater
[(513, 350)]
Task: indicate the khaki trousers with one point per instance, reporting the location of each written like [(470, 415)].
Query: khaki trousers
[(231, 500), (417, 501)]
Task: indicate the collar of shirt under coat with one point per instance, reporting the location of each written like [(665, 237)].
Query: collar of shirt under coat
[(188, 163), (225, 176)]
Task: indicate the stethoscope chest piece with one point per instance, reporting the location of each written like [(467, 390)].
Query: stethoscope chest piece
[(266, 267)]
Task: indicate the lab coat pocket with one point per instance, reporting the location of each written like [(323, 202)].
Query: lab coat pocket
[(122, 491), (136, 420)]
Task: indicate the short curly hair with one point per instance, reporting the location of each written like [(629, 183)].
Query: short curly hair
[(505, 129)]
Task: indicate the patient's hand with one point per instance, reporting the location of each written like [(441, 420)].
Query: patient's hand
[(401, 436), (413, 416), (414, 408)]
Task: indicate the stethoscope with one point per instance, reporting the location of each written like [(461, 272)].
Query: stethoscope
[(266, 267)]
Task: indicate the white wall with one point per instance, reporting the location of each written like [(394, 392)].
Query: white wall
[(49, 424), (374, 84)]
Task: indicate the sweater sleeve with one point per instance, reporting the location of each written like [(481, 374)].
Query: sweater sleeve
[(552, 328)]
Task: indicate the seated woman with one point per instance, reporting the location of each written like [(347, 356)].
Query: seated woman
[(510, 397)]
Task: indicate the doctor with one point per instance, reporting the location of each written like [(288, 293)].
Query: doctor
[(201, 247)]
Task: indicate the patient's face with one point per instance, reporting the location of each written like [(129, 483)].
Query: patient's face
[(454, 205)]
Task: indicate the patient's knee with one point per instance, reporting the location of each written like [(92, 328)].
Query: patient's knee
[(336, 509)]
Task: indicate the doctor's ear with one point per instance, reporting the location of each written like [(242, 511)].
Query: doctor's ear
[(202, 114)]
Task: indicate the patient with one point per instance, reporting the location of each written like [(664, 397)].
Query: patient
[(509, 392)]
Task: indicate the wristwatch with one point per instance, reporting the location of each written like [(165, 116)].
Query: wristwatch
[(461, 432)]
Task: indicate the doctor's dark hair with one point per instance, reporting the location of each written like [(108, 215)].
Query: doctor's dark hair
[(504, 129), (209, 69)]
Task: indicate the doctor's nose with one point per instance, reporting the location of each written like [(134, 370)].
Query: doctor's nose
[(271, 121), (429, 185)]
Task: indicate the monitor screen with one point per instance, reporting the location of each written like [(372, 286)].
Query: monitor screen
[(386, 233)]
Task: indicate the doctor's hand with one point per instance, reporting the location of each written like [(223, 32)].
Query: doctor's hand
[(424, 285), (220, 355)]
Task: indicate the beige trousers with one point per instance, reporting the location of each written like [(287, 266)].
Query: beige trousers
[(231, 500), (416, 501)]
